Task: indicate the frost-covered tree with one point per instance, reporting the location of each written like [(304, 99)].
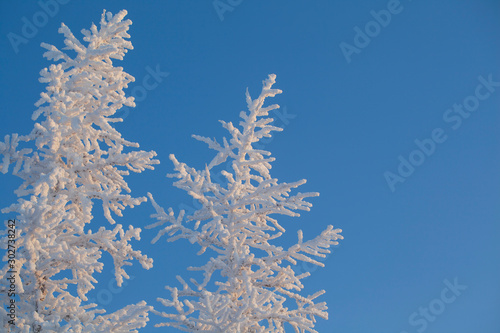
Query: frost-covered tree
[(78, 157), (249, 285)]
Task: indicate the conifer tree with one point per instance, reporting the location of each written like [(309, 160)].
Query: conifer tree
[(248, 285), (77, 158)]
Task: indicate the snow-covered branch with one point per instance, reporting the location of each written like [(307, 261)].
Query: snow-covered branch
[(236, 221), (78, 158)]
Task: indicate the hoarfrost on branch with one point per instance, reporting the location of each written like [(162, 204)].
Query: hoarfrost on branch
[(79, 158), (249, 285)]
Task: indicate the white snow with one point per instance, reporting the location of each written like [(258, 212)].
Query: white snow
[(236, 225), (79, 158)]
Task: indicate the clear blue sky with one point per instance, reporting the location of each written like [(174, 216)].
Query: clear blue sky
[(352, 122)]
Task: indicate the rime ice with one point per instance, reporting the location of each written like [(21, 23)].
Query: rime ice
[(79, 158), (235, 223)]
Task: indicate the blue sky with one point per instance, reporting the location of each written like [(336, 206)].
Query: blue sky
[(350, 115)]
